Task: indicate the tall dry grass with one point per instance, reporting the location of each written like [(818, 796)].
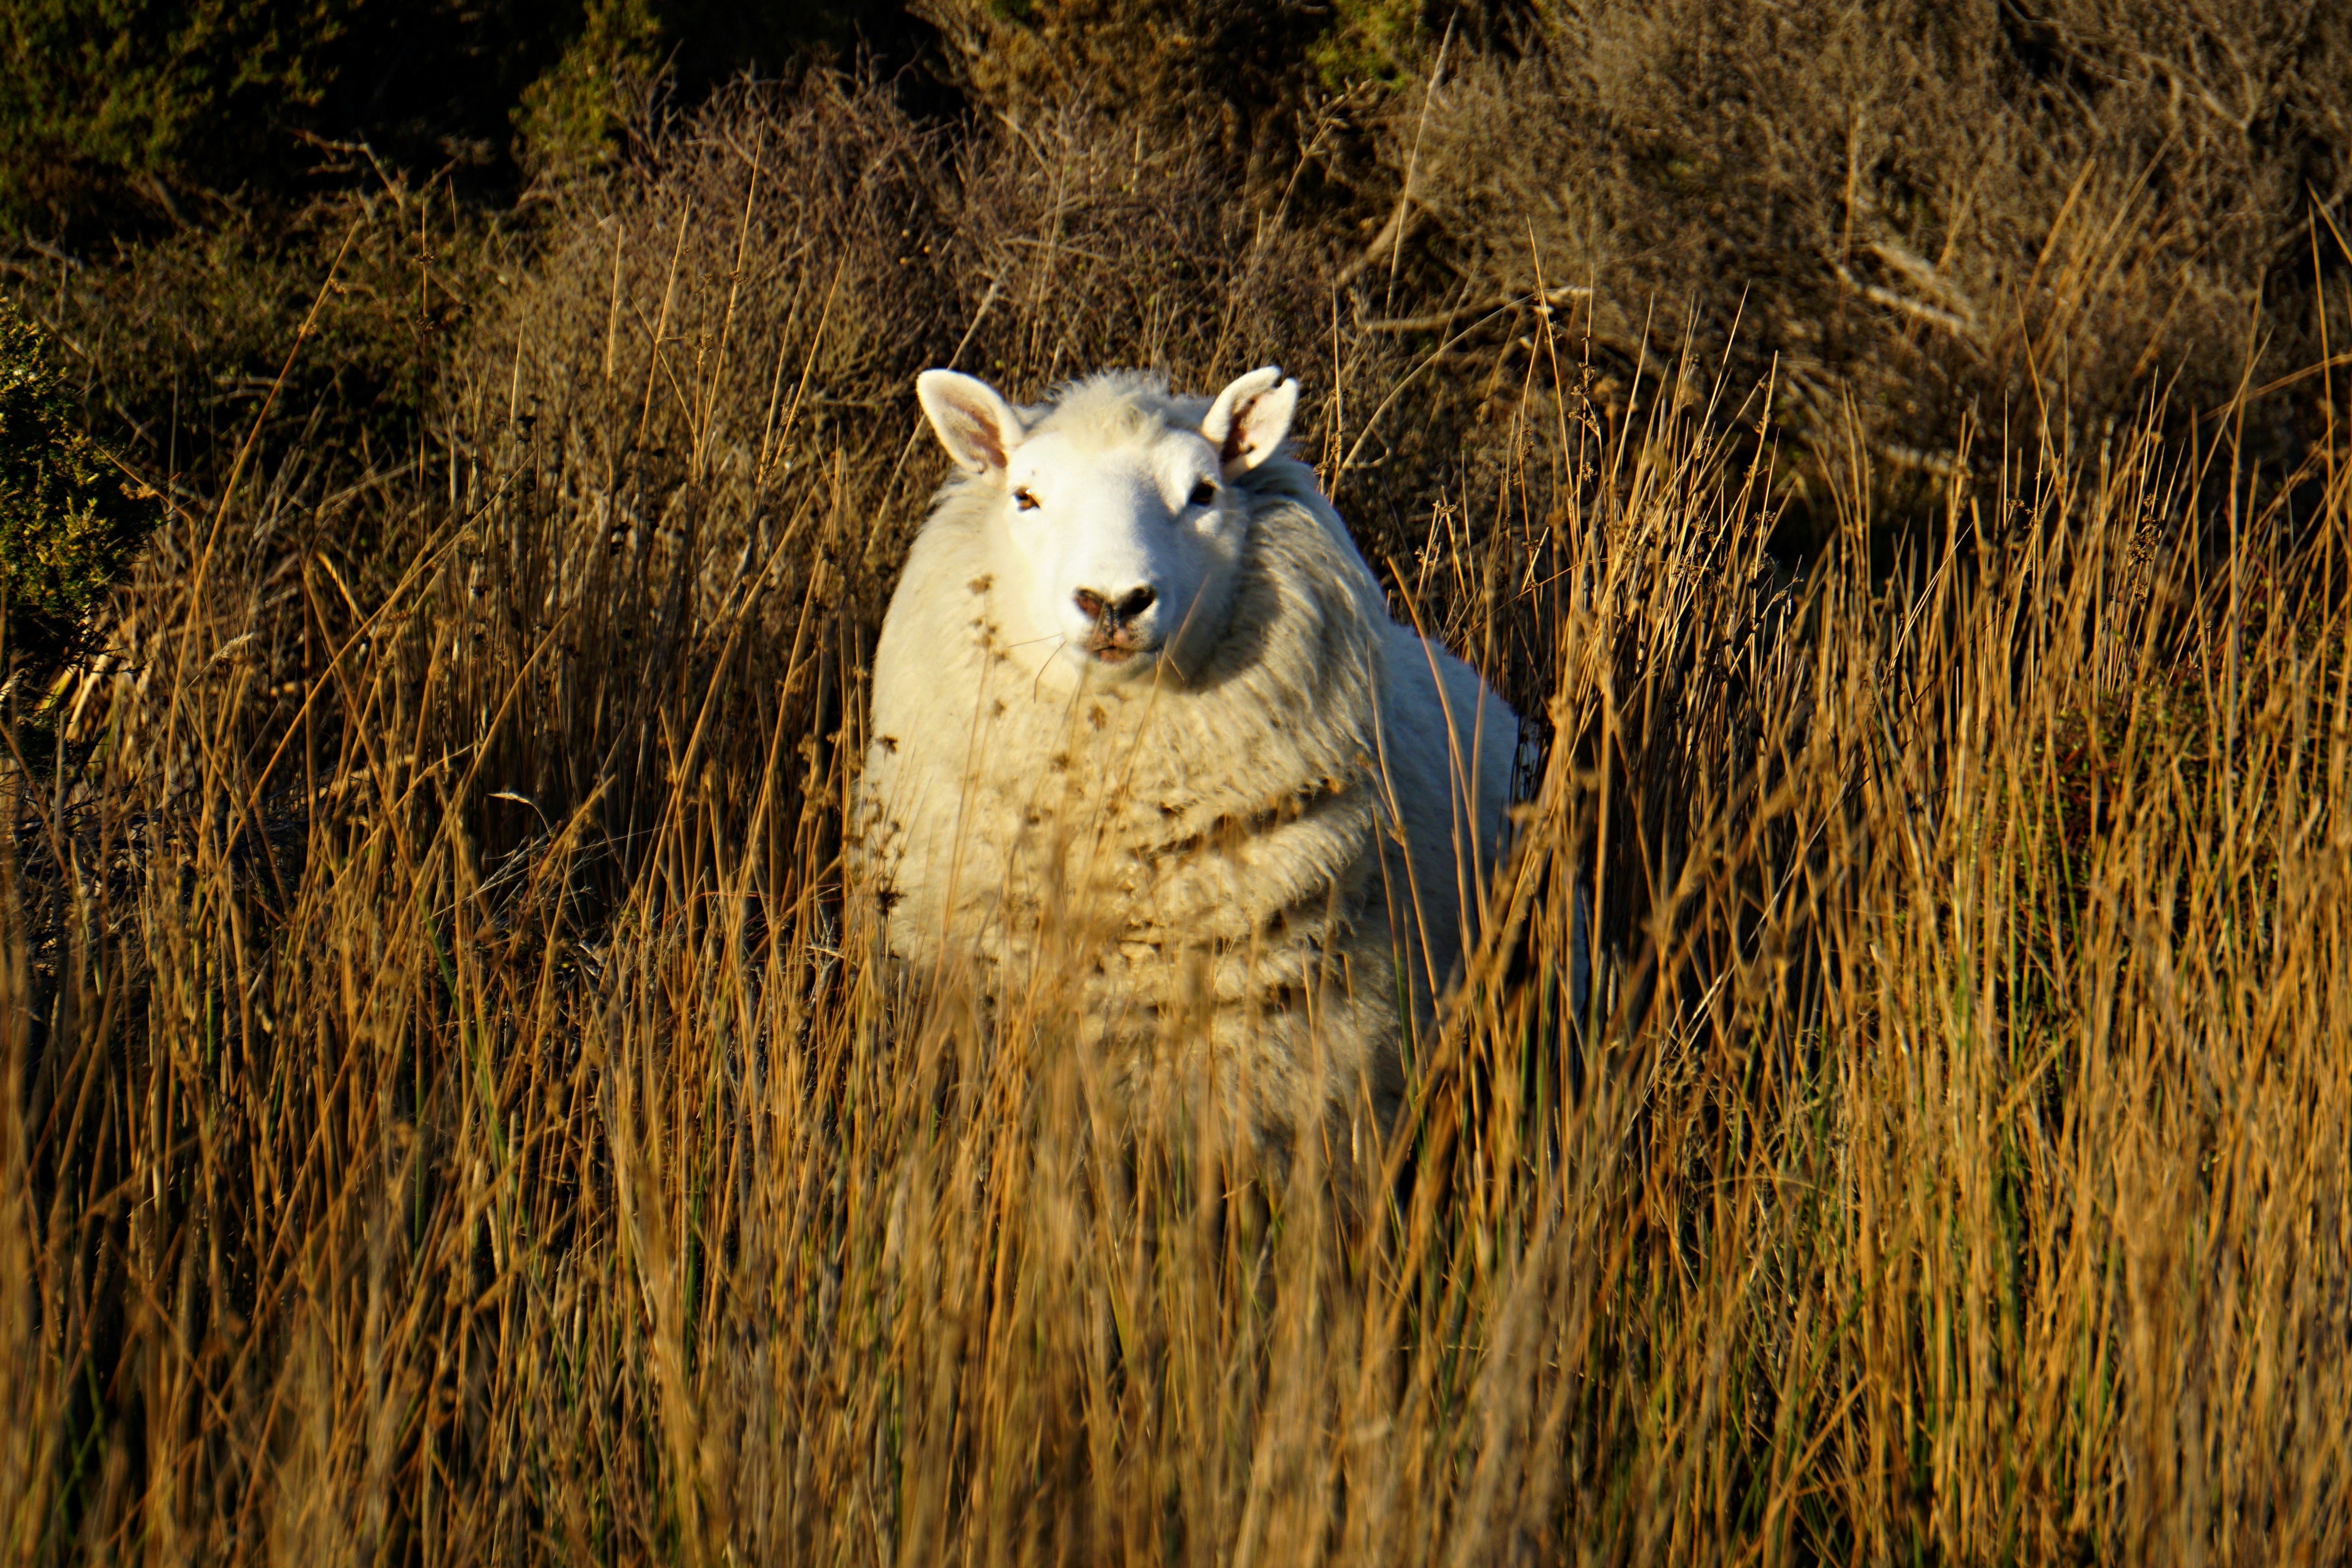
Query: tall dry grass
[(456, 1110)]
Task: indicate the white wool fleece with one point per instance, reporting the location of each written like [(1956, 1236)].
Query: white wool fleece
[(1184, 798)]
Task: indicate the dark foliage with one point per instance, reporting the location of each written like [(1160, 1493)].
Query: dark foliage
[(133, 115), (70, 519)]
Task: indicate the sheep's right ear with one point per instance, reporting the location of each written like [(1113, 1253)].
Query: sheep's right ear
[(978, 427)]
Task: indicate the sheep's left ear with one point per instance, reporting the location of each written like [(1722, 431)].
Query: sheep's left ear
[(1249, 419)]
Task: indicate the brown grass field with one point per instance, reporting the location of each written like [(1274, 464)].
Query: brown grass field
[(456, 1110)]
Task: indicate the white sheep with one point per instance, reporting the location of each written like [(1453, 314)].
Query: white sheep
[(1136, 683)]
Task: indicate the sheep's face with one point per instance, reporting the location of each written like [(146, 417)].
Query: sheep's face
[(1121, 554), (1120, 528)]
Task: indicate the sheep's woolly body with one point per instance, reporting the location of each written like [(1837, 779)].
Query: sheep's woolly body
[(1219, 849)]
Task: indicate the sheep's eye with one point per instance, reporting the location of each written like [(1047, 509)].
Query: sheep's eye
[(1203, 493), (1026, 498)]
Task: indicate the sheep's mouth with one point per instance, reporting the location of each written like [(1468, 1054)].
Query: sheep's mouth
[(1118, 647)]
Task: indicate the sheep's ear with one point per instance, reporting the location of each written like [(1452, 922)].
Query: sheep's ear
[(1249, 419), (978, 427)]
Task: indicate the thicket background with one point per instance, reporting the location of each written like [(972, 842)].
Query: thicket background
[(1888, 451)]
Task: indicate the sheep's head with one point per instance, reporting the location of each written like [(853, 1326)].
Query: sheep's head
[(1121, 525)]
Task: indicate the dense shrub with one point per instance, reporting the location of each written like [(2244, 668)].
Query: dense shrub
[(129, 114), (151, 113), (71, 517), (1257, 83), (1911, 220), (176, 343)]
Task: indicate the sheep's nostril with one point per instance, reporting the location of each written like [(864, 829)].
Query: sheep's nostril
[(1137, 601), (1089, 603)]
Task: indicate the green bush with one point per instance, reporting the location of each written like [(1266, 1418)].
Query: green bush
[(626, 55), (71, 517), (113, 106), (120, 114), (570, 118)]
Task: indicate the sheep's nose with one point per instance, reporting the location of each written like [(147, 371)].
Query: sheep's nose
[(1126, 607)]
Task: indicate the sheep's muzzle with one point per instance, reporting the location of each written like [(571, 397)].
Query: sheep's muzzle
[(1114, 637), (1116, 646)]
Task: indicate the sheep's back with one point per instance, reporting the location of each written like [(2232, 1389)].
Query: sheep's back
[(1450, 747)]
